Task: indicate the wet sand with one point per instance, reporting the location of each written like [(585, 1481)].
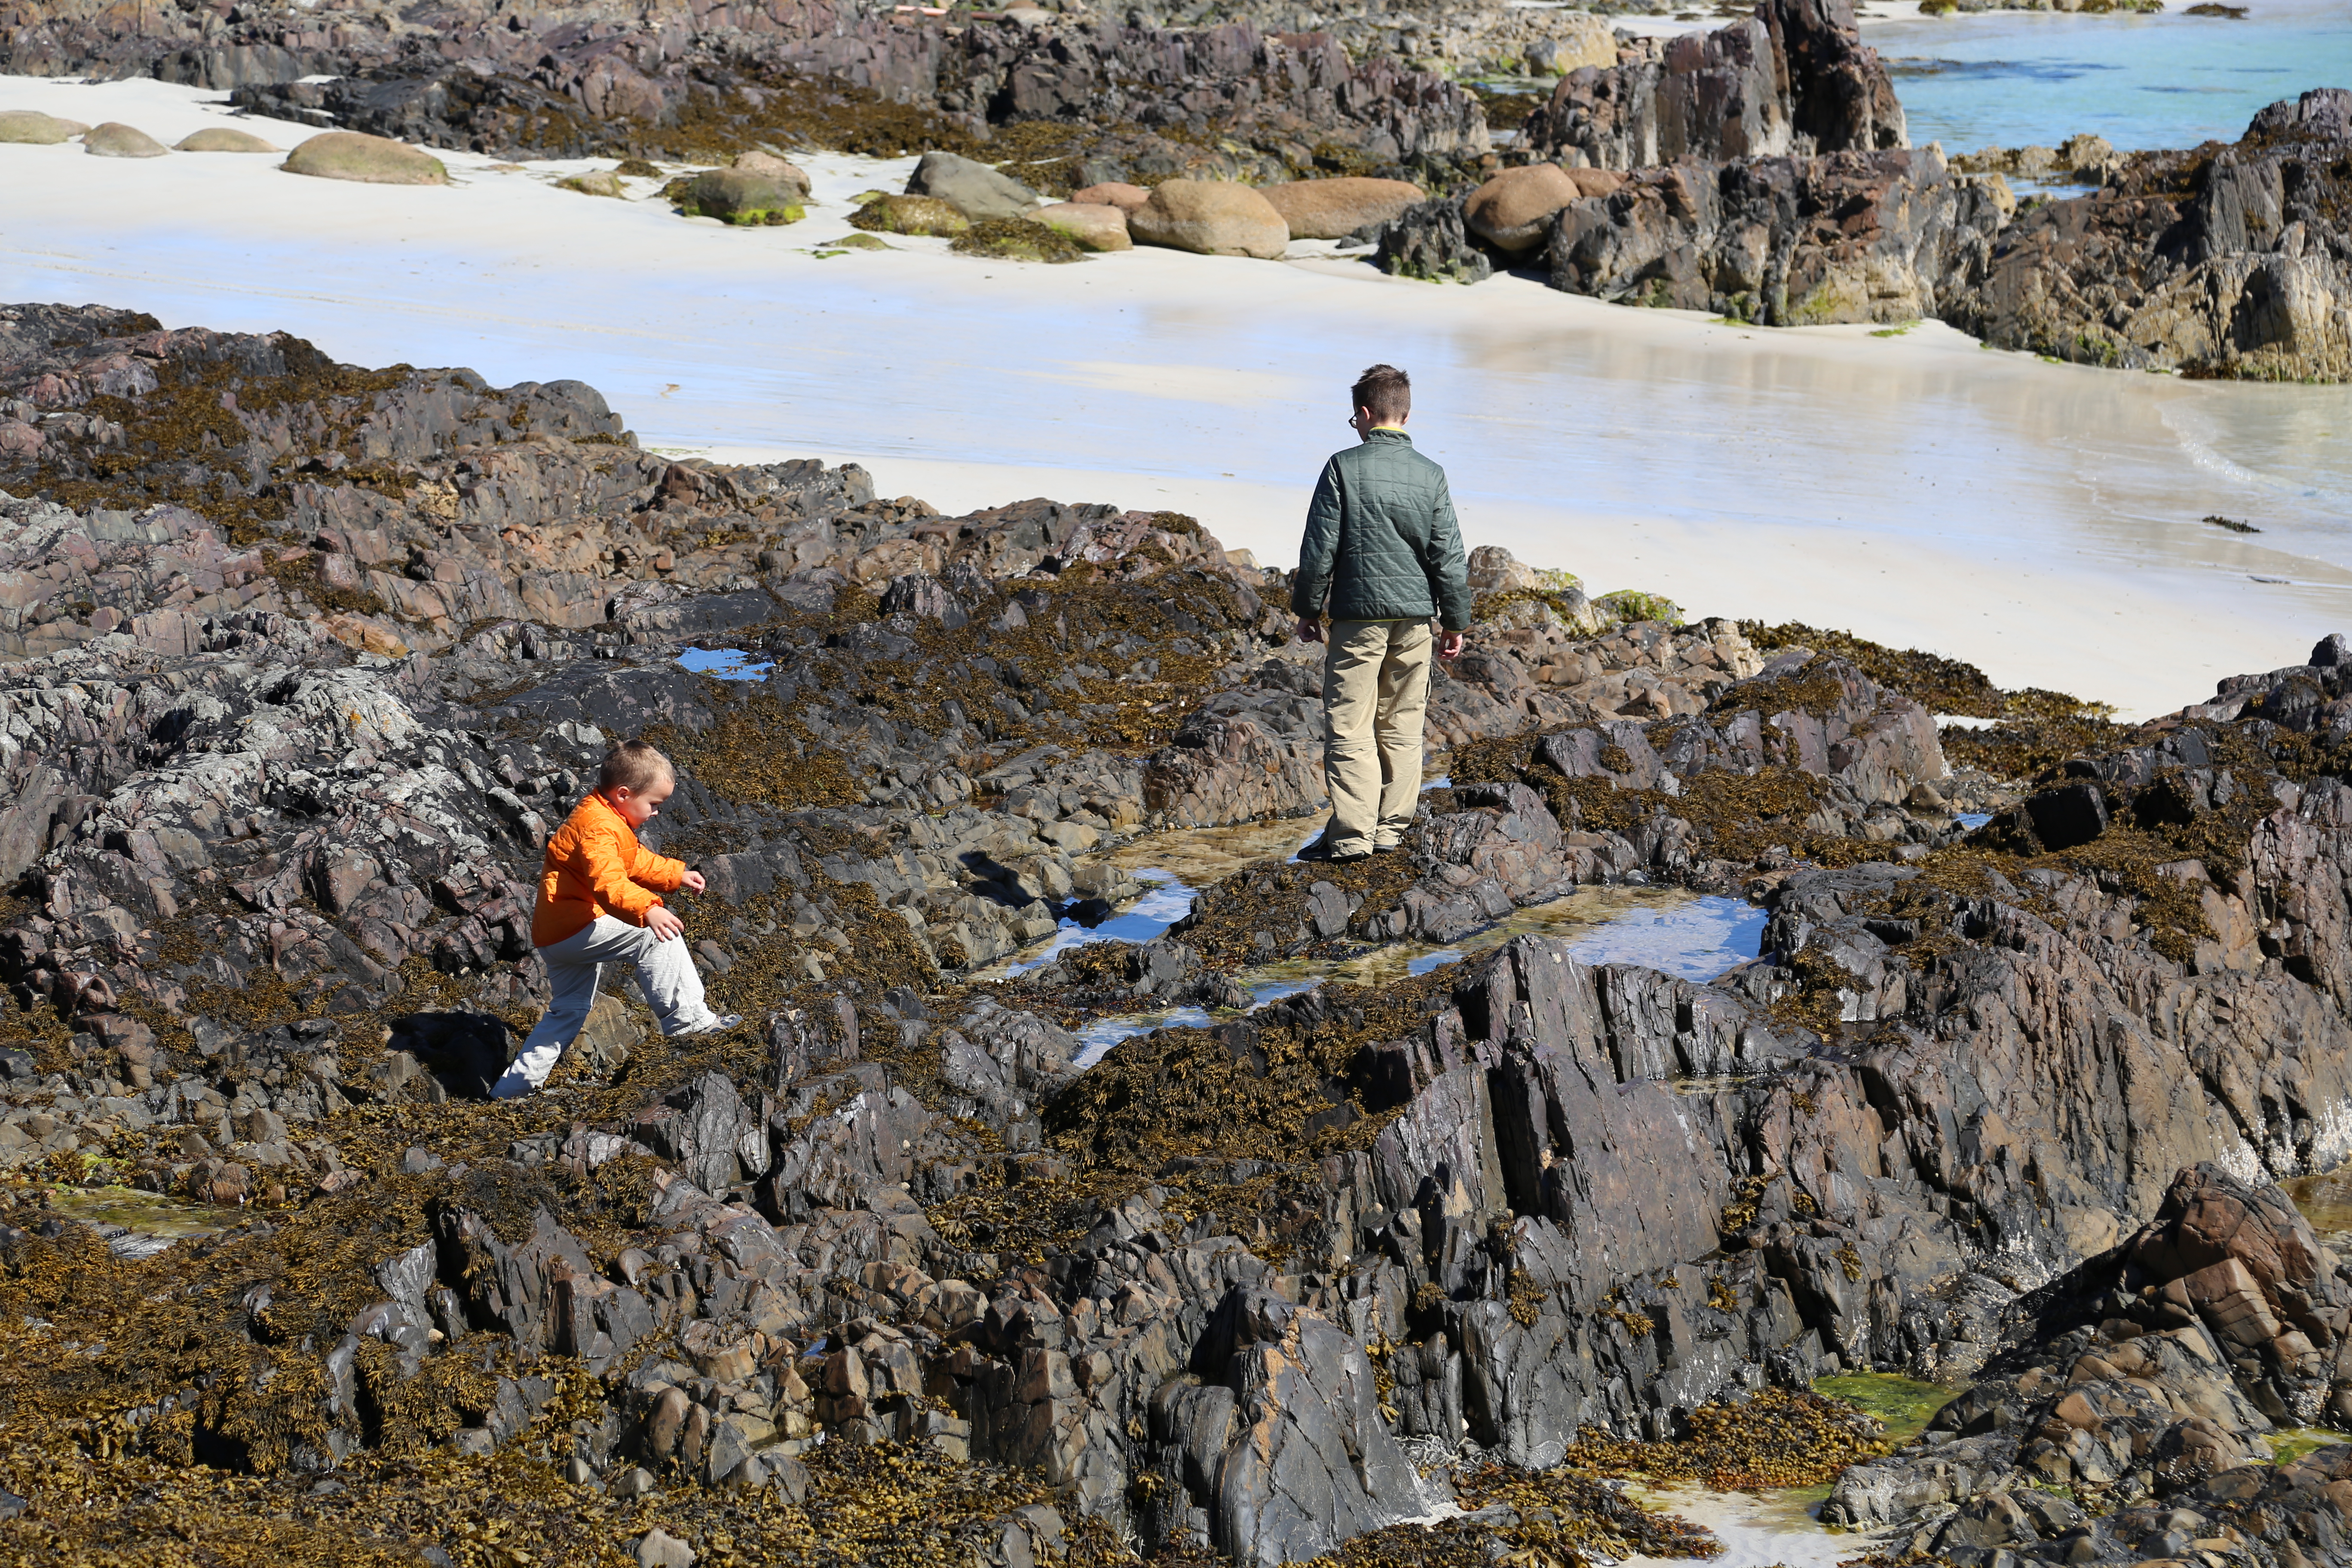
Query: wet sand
[(2042, 520)]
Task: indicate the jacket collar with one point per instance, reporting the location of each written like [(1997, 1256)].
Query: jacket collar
[(1385, 434), (604, 808)]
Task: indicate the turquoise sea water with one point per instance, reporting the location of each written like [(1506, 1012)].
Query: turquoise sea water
[(2009, 79)]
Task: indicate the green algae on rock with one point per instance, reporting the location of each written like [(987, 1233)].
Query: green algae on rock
[(223, 139), (1017, 239), (1902, 1405), (909, 215), (736, 197), (597, 183)]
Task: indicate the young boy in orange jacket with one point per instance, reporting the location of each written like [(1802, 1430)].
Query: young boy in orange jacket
[(600, 902)]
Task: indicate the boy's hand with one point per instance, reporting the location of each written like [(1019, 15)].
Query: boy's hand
[(1450, 646), (664, 925), (692, 881), (1309, 629)]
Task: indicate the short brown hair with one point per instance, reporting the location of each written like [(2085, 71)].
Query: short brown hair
[(634, 766), (1386, 391)]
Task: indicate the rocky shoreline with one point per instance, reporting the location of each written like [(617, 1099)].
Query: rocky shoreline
[(1761, 171), (302, 660)]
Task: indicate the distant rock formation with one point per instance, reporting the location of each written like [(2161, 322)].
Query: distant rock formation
[(574, 80), (1853, 237), (2222, 260), (1793, 78)]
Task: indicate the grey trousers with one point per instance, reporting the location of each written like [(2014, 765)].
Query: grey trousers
[(1375, 700), (665, 975)]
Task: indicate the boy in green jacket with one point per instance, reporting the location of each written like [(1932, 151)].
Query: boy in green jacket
[(1382, 556)]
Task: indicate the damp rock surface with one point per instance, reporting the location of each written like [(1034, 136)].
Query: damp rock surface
[(300, 662)]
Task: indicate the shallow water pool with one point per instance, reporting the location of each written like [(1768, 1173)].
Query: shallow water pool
[(726, 663), (1691, 936), (1757, 1531), (137, 1223), (2325, 1200)]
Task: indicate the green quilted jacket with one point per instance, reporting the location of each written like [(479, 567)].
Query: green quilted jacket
[(1381, 542)]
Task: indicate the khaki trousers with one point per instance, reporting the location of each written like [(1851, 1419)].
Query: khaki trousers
[(1375, 696), (575, 967)]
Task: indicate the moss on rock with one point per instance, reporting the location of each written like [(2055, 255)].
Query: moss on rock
[(911, 215), (1017, 239)]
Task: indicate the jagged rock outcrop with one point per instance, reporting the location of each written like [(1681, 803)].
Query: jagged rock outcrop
[(1794, 78), (2000, 1105), (1429, 241), (2156, 1374), (1784, 241), (2226, 261)]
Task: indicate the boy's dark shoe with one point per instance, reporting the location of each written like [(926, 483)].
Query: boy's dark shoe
[(1321, 850)]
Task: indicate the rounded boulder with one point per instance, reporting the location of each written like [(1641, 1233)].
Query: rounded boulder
[(1514, 209), (1111, 194), (595, 183), (1334, 209), (223, 138), (741, 197), (369, 159), (31, 127), (1092, 225), (784, 173), (1211, 218), (911, 215), (971, 188), (116, 140)]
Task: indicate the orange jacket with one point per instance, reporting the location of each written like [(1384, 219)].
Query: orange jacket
[(594, 866)]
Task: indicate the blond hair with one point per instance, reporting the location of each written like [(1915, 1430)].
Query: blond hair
[(634, 766)]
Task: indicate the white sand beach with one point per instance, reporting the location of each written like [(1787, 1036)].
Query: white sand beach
[(2046, 522)]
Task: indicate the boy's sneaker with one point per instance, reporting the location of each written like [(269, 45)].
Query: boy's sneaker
[(1321, 850), (719, 1024)]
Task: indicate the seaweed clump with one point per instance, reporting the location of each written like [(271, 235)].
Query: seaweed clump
[(186, 440), (1774, 1438), (1017, 239), (2038, 728), (911, 215), (1296, 1082), (887, 1505)]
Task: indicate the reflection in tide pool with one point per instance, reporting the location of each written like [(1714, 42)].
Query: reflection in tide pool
[(1169, 902), (1756, 1530), (2325, 1200), (1693, 936), (136, 1224), (726, 663)]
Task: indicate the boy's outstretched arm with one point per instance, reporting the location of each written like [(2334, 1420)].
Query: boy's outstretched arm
[(660, 873)]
